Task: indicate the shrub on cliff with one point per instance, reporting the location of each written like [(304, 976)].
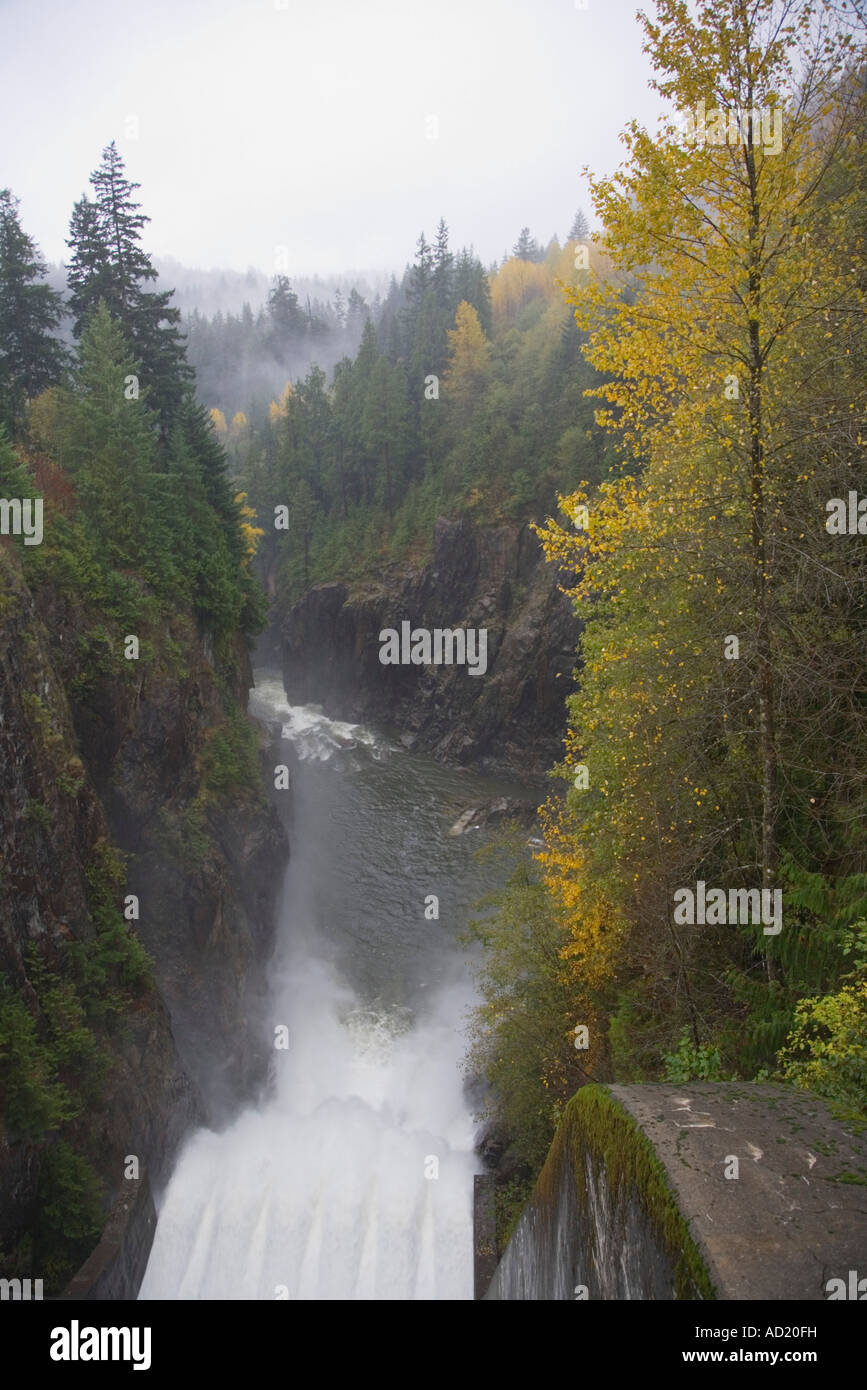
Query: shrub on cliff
[(70, 1214), (229, 759), (34, 1100)]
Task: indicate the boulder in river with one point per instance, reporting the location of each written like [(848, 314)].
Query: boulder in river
[(493, 813)]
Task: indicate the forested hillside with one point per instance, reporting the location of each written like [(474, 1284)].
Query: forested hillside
[(466, 396), (130, 771)]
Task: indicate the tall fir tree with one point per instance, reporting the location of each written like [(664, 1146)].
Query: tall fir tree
[(108, 443), (580, 229), (385, 429), (287, 323), (421, 275), (198, 432), (473, 286), (443, 268), (108, 264), (121, 224), (526, 248), (88, 272), (31, 357), (357, 311)]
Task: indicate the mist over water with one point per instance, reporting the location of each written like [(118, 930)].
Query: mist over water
[(321, 1189)]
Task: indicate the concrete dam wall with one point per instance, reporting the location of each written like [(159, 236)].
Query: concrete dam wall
[(709, 1190), (115, 1269)]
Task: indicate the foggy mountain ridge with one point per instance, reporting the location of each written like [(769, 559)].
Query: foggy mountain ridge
[(210, 292), (225, 323), (243, 370)]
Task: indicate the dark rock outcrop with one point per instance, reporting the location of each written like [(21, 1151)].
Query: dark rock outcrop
[(51, 827), (99, 759), (513, 716), (206, 870)]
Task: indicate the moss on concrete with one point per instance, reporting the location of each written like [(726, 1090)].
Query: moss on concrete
[(595, 1124)]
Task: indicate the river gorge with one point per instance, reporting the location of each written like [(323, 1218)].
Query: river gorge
[(351, 1176)]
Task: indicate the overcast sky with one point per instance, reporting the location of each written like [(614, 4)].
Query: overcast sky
[(308, 123)]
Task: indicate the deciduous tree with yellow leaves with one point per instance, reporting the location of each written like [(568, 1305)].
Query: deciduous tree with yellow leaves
[(469, 354), (714, 735), (251, 534), (733, 261)]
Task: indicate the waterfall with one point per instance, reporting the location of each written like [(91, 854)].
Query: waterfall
[(352, 1179)]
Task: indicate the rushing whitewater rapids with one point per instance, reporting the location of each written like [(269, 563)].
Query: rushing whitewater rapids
[(328, 1189)]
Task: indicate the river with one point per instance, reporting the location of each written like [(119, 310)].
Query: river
[(353, 1177)]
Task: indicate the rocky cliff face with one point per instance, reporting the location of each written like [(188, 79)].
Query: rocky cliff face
[(205, 866), (512, 716), (104, 796)]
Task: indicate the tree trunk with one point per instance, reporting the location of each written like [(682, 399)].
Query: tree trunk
[(388, 478), (761, 586)]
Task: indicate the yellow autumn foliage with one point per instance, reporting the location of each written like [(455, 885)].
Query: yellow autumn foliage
[(469, 353), (593, 925), (516, 284), (277, 410), (251, 534)]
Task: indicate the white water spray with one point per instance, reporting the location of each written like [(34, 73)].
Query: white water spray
[(354, 1180)]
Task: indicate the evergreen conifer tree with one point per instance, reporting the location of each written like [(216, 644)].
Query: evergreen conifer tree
[(580, 229), (287, 320), (443, 268), (526, 248), (109, 443), (421, 275), (88, 273), (108, 264), (31, 358), (473, 287), (356, 311)]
